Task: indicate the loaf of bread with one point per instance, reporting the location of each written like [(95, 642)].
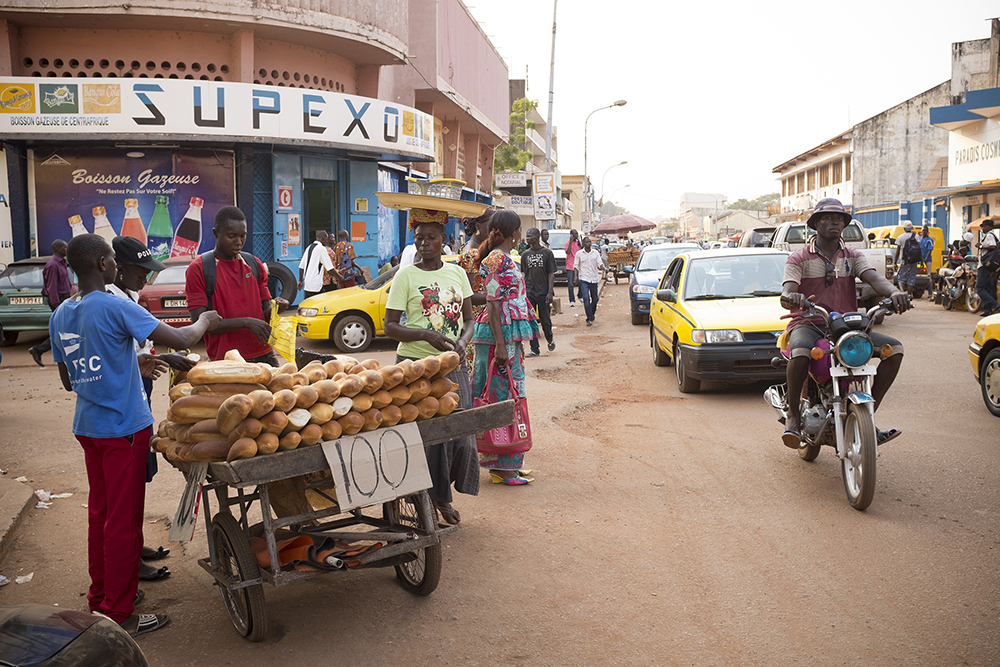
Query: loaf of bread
[(373, 419), (159, 444), (351, 423), (409, 413), (372, 379), (442, 386), (263, 403), (328, 391), (191, 409), (300, 379), (248, 428), (217, 372), (371, 364), (311, 434), (351, 386), (419, 389), (381, 398), (305, 396), (337, 377), (267, 443), (210, 450), (447, 404), (234, 355), (391, 376), (284, 400), (179, 391), (281, 381), (411, 370), (400, 394), (362, 402), (198, 432), (348, 363), (431, 366), (225, 389), (288, 368), (332, 430), (333, 367), (297, 419), (274, 422), (342, 406), (391, 414), (161, 429), (244, 448), (233, 410), (315, 373), (449, 362), (321, 413), (428, 407), (290, 440)]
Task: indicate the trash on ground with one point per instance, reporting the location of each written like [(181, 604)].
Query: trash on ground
[(4, 580), (43, 495), (24, 579), (60, 495), (20, 479), (42, 506)]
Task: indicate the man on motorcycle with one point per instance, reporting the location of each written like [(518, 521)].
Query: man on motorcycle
[(825, 268)]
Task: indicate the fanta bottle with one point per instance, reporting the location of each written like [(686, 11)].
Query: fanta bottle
[(132, 226)]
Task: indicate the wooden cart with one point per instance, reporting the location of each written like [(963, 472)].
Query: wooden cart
[(619, 258), (406, 526)]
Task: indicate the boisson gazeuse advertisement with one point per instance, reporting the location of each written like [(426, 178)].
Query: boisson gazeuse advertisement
[(165, 198)]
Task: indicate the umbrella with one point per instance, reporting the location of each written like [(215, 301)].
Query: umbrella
[(619, 224)]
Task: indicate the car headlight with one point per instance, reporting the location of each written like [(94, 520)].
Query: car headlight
[(702, 336), (308, 312), (643, 289), (854, 349)]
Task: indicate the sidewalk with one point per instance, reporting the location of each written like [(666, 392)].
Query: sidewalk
[(15, 499)]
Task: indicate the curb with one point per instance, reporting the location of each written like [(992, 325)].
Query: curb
[(15, 500)]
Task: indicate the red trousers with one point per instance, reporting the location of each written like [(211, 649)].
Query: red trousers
[(116, 472)]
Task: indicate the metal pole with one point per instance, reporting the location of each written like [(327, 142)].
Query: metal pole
[(623, 162), (588, 205), (552, 78)]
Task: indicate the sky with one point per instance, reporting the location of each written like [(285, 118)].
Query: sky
[(718, 92)]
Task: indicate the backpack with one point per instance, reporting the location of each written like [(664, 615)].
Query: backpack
[(208, 271), (911, 250), (347, 268)]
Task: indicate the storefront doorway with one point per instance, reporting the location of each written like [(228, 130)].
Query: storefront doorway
[(320, 208)]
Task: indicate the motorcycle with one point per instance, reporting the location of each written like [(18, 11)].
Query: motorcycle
[(959, 286), (839, 409), (939, 285)]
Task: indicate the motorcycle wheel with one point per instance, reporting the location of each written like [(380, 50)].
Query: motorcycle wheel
[(858, 467), (973, 302), (809, 452)]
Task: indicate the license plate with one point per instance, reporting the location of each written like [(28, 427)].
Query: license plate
[(25, 300), (175, 303)]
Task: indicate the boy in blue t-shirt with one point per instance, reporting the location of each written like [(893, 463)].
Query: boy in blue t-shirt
[(93, 336)]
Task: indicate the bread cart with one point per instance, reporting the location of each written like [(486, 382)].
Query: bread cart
[(406, 525), (619, 258)]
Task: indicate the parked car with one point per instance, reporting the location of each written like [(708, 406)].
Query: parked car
[(984, 353), (886, 238), (646, 275), (716, 316), (558, 238), (758, 237), (23, 307), (164, 294)]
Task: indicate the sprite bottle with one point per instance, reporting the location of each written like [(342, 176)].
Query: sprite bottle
[(161, 231)]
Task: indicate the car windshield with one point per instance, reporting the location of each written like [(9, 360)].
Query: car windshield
[(380, 281), (852, 234), (172, 275), (26, 276), (658, 259), (558, 238), (734, 276)]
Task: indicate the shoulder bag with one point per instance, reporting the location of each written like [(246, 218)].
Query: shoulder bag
[(510, 439)]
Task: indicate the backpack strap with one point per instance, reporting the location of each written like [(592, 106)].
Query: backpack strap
[(208, 271)]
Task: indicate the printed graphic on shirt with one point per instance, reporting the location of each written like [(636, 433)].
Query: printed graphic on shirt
[(81, 369), (533, 260), (442, 307)]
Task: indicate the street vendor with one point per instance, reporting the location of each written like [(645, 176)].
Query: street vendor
[(93, 337)]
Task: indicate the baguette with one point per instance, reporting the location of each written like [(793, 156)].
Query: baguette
[(179, 391), (400, 394), (210, 450), (409, 413), (442, 386), (297, 419), (234, 355), (288, 368), (333, 367), (274, 422), (332, 430), (161, 444), (244, 448), (338, 376), (413, 371), (267, 443), (371, 364), (248, 428), (428, 407), (263, 403), (391, 414), (217, 372), (328, 390), (315, 373), (284, 400), (280, 381), (431, 366), (351, 386), (300, 379), (311, 434), (342, 406), (352, 422), (191, 409), (289, 441), (381, 398), (372, 380), (201, 431), (447, 404), (419, 390), (449, 361), (373, 419), (391, 376), (234, 410), (225, 389), (362, 403), (305, 396), (321, 413)]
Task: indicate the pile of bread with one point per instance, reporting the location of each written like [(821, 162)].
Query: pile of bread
[(231, 409)]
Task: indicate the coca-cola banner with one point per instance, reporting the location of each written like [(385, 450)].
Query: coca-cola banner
[(165, 198)]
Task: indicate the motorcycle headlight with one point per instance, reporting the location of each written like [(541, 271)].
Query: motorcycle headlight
[(702, 336), (854, 349), (308, 312), (643, 289)]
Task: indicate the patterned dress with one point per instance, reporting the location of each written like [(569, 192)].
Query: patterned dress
[(503, 283), (467, 260)]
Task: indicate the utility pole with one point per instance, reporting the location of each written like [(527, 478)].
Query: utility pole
[(552, 78)]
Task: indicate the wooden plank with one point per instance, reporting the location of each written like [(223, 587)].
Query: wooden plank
[(281, 465)]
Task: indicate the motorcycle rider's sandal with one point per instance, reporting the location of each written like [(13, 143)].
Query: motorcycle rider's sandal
[(883, 437), (791, 439)]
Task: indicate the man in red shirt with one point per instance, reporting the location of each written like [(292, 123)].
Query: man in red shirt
[(825, 269), (240, 298)]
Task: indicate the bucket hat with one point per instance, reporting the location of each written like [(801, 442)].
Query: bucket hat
[(827, 205)]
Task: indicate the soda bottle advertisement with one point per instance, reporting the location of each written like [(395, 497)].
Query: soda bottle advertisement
[(164, 197)]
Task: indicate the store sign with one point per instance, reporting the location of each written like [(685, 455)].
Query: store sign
[(975, 156), (518, 180), (144, 107), (284, 197), (543, 189), (522, 204), (6, 232)]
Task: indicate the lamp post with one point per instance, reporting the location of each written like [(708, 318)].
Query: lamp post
[(588, 201), (611, 198), (606, 174)]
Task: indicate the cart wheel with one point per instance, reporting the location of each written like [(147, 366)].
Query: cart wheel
[(419, 576), (236, 561)]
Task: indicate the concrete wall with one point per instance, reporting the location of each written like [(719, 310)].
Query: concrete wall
[(970, 68), (895, 150)]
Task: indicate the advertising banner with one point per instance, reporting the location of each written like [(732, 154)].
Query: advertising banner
[(6, 233), (543, 190), (974, 153), (146, 108), (165, 198)]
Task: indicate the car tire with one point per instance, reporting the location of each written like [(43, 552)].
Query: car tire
[(352, 333), (990, 382), (686, 384), (660, 358), (281, 282)]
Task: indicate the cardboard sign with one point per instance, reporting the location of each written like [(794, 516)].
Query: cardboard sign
[(186, 516), (376, 466)]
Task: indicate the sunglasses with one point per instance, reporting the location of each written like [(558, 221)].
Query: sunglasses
[(831, 274)]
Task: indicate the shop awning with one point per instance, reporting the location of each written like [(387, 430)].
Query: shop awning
[(979, 105)]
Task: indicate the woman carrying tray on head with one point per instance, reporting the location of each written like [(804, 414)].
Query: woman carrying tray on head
[(507, 318), (437, 300)]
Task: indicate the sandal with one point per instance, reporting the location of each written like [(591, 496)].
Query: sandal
[(449, 515), (791, 439), (139, 595), (511, 481), (140, 624), (149, 553), (150, 573), (883, 437)]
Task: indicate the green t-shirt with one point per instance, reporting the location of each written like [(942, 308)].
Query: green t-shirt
[(431, 300)]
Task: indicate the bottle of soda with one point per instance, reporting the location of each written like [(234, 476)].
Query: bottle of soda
[(76, 225), (187, 239), (161, 231), (102, 226), (132, 226)]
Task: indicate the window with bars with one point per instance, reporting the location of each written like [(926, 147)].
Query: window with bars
[(263, 213), (838, 171), (824, 176), (811, 178), (847, 168), (801, 182)]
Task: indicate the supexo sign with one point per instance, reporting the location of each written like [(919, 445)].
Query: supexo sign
[(144, 107)]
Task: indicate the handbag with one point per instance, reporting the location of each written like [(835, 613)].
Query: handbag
[(510, 439)]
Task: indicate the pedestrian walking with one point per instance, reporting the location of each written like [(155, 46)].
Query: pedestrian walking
[(346, 266), (907, 257), (589, 266), (986, 276), (572, 247), (56, 286), (538, 264), (331, 277), (314, 264), (545, 238)]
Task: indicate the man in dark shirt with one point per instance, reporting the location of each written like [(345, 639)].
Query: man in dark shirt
[(538, 265), (56, 287)]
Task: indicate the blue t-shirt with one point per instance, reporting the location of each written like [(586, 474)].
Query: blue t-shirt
[(95, 337)]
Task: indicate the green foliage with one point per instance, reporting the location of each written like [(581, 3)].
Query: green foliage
[(759, 204), (512, 157)]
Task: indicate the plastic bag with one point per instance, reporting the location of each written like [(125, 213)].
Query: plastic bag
[(283, 332)]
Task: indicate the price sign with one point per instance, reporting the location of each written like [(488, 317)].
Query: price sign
[(377, 466)]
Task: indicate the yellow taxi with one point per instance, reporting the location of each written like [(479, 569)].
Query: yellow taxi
[(984, 353), (350, 317), (715, 316), (883, 236)]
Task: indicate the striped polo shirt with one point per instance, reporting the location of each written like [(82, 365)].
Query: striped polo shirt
[(808, 267)]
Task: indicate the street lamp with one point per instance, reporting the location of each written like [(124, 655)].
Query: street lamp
[(606, 174), (588, 202), (610, 199)]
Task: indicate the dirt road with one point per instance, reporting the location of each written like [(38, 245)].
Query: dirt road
[(662, 529)]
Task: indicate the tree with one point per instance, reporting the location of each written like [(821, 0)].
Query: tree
[(759, 204), (512, 157)]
